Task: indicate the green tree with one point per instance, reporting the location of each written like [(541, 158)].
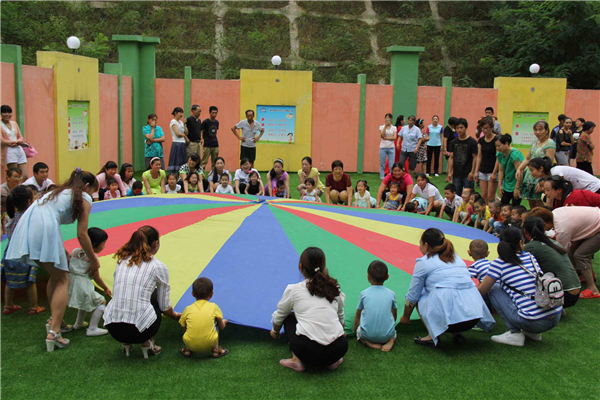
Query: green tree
[(563, 37)]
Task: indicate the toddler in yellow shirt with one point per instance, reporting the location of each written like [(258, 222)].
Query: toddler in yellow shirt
[(198, 321)]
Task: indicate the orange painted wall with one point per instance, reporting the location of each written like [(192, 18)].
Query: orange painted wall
[(225, 95), (335, 125), (127, 155), (109, 122), (169, 94), (430, 102), (38, 102), (470, 103), (585, 104), (378, 103), (7, 96)]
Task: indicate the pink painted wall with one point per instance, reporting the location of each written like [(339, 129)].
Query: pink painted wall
[(430, 101), (109, 122), (378, 103), (470, 103), (7, 94), (38, 103), (127, 146), (225, 95), (585, 104), (169, 94), (333, 139)]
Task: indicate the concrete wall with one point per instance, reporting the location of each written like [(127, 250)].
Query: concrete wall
[(470, 103)]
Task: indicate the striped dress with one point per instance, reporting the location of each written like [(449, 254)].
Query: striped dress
[(516, 277)]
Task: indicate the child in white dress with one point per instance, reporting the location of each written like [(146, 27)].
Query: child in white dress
[(362, 196), (172, 187), (310, 193), (82, 294)]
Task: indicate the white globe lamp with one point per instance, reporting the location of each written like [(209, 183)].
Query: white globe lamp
[(534, 68), (276, 61), (73, 43)]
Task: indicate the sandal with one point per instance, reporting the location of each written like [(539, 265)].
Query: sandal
[(10, 309), (51, 343), (220, 353), (36, 310), (185, 352), (428, 343), (586, 294), (153, 349)]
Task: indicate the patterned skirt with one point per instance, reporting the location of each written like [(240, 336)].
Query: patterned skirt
[(422, 154)]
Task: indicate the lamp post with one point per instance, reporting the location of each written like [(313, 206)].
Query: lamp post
[(276, 61), (73, 43)]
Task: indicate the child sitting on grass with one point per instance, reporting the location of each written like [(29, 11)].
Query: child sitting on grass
[(451, 201), (281, 191), (483, 214), (172, 187), (478, 250), (411, 208), (463, 207), (82, 294), (362, 196), (136, 189), (255, 186), (393, 200), (224, 187), (113, 191), (505, 211), (516, 216), (310, 193), (194, 183), (198, 322), (496, 221), (376, 312), (470, 216)]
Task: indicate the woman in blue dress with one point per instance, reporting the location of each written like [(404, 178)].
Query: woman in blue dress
[(41, 243), (443, 292)]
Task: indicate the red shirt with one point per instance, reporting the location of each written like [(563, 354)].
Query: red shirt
[(341, 185), (583, 198), (404, 181)]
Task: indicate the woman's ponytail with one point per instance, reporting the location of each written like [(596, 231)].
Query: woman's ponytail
[(18, 200), (510, 245), (438, 244), (319, 284), (535, 227), (139, 247)]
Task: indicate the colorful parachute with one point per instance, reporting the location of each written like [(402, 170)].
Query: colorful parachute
[(249, 247)]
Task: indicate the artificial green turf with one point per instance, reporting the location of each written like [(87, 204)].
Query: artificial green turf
[(563, 365)]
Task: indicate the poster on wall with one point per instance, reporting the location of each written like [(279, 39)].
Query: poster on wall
[(522, 129), (78, 125), (279, 123)]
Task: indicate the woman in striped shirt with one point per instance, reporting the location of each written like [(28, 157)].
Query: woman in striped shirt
[(140, 293), (516, 271)]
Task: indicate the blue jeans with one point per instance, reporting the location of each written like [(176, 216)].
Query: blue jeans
[(461, 183), (497, 225), (390, 153), (504, 305)]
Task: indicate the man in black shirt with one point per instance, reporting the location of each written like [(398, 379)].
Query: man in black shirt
[(193, 125), (463, 156), (210, 144)]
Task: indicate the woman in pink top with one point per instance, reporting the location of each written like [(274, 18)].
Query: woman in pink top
[(108, 171), (577, 230)]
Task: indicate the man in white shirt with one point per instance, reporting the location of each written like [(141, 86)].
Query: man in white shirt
[(40, 177)]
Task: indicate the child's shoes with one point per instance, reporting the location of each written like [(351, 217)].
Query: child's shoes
[(76, 326), (96, 332)]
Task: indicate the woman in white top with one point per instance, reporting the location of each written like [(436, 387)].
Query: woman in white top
[(581, 180), (140, 293), (179, 131), (429, 192), (389, 134), (315, 328), (13, 155)]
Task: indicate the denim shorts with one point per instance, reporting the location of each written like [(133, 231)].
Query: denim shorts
[(485, 177)]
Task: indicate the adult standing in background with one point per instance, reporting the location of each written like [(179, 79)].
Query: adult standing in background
[(486, 169), (585, 148), (248, 138), (412, 138), (561, 122), (155, 137), (388, 134), (194, 131), (13, 155), (576, 133), (564, 141), (434, 145), (489, 112), (449, 135), (210, 143), (179, 132)]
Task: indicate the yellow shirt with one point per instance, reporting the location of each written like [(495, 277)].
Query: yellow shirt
[(463, 207), (487, 213), (199, 320)]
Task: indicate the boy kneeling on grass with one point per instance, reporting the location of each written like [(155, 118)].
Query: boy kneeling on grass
[(376, 312), (198, 322)]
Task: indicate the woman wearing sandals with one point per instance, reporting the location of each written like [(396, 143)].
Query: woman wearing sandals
[(40, 243), (443, 292), (140, 293)]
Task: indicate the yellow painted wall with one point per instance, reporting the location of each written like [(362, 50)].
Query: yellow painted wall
[(75, 78), (530, 94), (285, 88)]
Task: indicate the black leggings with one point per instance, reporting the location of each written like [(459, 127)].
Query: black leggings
[(585, 166), (462, 326), (309, 351), (128, 333), (507, 197), (570, 299), (433, 153)]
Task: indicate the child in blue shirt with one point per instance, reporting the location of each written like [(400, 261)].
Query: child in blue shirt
[(376, 312), (136, 189), (478, 250)]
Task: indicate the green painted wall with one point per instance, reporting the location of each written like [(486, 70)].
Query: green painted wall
[(137, 55), (11, 53), (404, 76), (447, 83), (187, 91)]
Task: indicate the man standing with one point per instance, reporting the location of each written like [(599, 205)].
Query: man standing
[(561, 121), (248, 138), (193, 125), (210, 144), (489, 112), (463, 157)]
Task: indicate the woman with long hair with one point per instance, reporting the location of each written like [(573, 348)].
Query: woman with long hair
[(315, 330)]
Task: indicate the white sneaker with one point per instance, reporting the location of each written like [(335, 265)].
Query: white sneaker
[(512, 339), (84, 325), (426, 174), (537, 337), (437, 174), (96, 332)]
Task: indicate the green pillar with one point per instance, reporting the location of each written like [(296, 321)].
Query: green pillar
[(137, 55), (187, 91), (117, 69), (447, 84), (404, 77), (11, 53), (362, 81)]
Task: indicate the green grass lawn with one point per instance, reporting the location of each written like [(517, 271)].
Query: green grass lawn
[(563, 365)]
